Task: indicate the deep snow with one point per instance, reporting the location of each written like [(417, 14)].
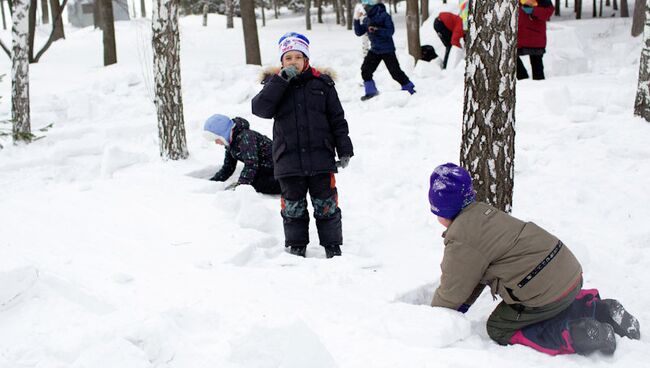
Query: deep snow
[(110, 257)]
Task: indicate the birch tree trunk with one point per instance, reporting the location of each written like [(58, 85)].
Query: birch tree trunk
[(342, 10), (249, 25), (319, 13), (21, 126), (308, 14), (205, 14), (230, 11), (336, 4), (642, 101), (488, 135), (108, 28), (167, 75), (413, 29), (638, 18), (4, 18)]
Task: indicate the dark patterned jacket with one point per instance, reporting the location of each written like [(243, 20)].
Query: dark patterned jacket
[(381, 40), (309, 123), (249, 147)]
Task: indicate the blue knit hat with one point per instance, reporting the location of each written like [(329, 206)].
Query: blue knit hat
[(369, 2), (293, 41), (218, 127), (450, 190)]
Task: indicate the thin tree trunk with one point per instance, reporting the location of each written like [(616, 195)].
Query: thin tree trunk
[(336, 10), (57, 19), (249, 25), (425, 10), (44, 12), (594, 14), (97, 14), (32, 27), (578, 9), (263, 15), (614, 4), (638, 18), (342, 10), (488, 136), (625, 12), (349, 8), (167, 75), (319, 5), (4, 18), (558, 4), (275, 9), (395, 6), (600, 9), (390, 9), (205, 14), (143, 9), (21, 125), (608, 3), (308, 14), (413, 29), (642, 101), (230, 12), (110, 52)]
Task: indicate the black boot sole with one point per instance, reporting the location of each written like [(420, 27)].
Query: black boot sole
[(614, 314)]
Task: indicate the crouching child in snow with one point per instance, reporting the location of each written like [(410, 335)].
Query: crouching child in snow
[(309, 128), (245, 145), (538, 278)]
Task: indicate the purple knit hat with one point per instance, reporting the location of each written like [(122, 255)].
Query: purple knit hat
[(450, 190)]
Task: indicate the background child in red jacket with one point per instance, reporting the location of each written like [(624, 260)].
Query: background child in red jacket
[(531, 40)]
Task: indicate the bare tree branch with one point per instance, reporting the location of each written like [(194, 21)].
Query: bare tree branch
[(4, 47), (51, 38)]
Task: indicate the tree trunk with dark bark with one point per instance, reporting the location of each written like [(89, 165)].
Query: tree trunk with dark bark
[(143, 9), (206, 7), (263, 15), (424, 10), (578, 9), (57, 18), (413, 29), (4, 17), (308, 14), (45, 14), (350, 9), (488, 136), (32, 28), (108, 30), (558, 4), (20, 115), (167, 75), (625, 12), (249, 25), (638, 18)]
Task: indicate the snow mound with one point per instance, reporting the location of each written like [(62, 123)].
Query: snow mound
[(293, 345), (115, 158), (15, 284)]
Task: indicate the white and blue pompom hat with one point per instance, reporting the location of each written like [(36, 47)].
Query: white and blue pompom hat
[(293, 41), (218, 127)]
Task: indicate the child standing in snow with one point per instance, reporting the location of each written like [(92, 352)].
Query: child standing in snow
[(531, 40), (379, 26), (536, 275), (245, 145), (309, 128)]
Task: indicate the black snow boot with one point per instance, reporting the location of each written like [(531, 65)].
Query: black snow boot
[(298, 251), (332, 251), (611, 311), (589, 335)]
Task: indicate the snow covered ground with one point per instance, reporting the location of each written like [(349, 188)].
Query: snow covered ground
[(110, 257)]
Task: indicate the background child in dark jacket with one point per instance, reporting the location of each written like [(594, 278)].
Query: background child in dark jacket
[(245, 145), (537, 276), (379, 26), (309, 128), (531, 37)]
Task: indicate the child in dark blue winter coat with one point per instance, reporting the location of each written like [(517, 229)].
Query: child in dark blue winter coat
[(379, 26), (245, 145), (309, 129)]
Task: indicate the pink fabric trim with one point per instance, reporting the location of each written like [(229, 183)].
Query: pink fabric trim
[(519, 338), (584, 292)]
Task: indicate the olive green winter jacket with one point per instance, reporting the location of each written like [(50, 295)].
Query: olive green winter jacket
[(520, 261)]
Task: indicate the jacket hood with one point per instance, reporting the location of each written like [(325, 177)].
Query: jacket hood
[(376, 9), (240, 125), (273, 70)]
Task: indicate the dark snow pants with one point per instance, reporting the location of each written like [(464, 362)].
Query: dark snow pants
[(536, 64), (371, 62), (265, 183), (445, 36), (324, 199), (545, 329)]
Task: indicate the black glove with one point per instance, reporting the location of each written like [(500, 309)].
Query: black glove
[(288, 73), (344, 161), (215, 178)]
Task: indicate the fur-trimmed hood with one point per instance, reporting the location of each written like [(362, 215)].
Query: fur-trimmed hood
[(273, 70)]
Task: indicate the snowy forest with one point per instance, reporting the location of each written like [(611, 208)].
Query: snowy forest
[(133, 233)]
